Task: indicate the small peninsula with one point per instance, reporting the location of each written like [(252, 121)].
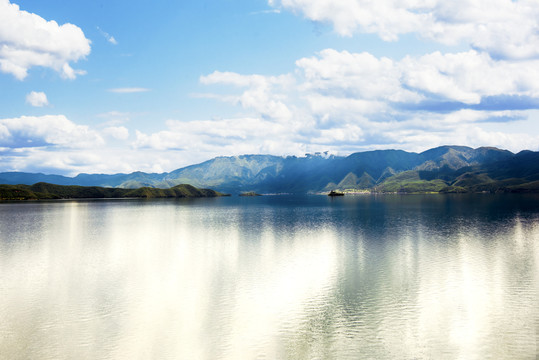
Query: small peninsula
[(46, 191), (249, 193)]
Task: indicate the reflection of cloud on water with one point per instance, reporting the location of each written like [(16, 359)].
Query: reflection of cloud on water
[(286, 277), (164, 280), (188, 282), (467, 290)]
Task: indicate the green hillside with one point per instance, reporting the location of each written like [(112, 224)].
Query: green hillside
[(44, 191), (410, 182)]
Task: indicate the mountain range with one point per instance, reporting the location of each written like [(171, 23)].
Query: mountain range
[(441, 169)]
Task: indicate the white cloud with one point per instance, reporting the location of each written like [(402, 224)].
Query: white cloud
[(66, 161), (347, 134), (517, 141), (37, 99), (264, 94), (343, 85), (28, 40), (388, 18), (428, 130), (463, 77), (107, 36), (196, 141), (469, 76), (322, 106), (46, 131), (358, 76), (239, 80), (53, 144), (346, 102), (271, 11), (114, 118), (128, 90), (116, 132), (218, 137), (503, 28), (471, 135)]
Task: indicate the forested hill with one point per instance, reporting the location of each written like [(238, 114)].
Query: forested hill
[(442, 169), (43, 191)]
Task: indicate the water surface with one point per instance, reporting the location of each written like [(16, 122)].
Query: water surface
[(358, 277)]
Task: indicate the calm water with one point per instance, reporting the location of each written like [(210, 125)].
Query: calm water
[(365, 277)]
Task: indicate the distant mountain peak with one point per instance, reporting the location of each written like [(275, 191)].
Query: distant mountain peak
[(323, 155)]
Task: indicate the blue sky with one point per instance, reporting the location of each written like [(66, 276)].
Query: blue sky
[(120, 86)]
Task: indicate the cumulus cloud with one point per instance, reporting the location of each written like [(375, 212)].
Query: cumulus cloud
[(46, 131), (54, 144), (28, 40), (503, 28), (37, 99), (358, 76), (70, 162), (465, 77)]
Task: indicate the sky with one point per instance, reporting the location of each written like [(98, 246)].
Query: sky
[(122, 86)]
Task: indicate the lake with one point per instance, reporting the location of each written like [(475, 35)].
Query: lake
[(273, 277)]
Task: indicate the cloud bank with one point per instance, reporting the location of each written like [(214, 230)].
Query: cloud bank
[(347, 102), (502, 28)]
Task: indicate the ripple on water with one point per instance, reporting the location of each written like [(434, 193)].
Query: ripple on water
[(391, 277)]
